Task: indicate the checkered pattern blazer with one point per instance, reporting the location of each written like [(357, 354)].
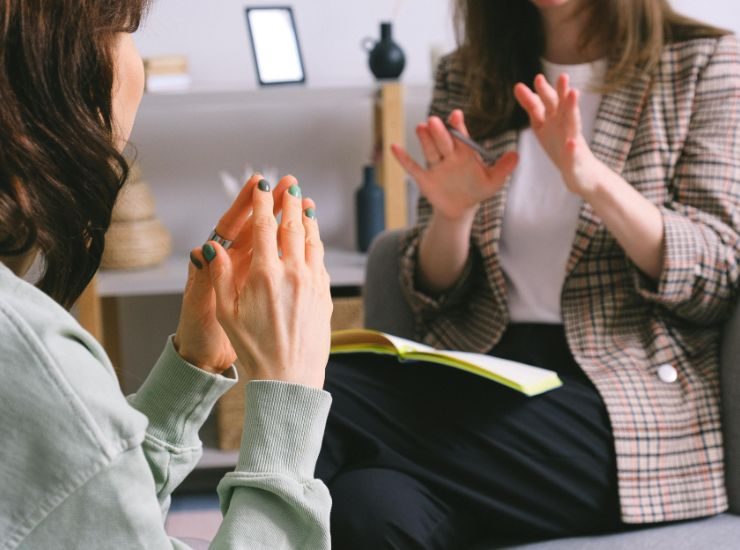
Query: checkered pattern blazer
[(675, 136)]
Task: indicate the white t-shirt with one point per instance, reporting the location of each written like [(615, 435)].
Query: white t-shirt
[(541, 215)]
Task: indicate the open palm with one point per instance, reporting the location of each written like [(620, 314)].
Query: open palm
[(456, 179), (555, 118)]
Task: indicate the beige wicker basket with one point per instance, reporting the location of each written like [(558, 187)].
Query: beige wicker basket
[(136, 239), (137, 244), (135, 202)]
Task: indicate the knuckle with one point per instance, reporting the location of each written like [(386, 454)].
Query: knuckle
[(263, 273), (264, 276), (295, 276), (291, 227), (315, 243), (264, 223)]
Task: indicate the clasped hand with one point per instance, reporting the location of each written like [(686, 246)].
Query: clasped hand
[(266, 300)]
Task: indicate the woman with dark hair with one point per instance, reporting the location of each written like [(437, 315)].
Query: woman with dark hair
[(603, 244), (80, 465)]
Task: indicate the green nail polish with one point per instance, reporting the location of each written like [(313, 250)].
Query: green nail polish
[(263, 185), (209, 252), (310, 213), (196, 261), (295, 191)]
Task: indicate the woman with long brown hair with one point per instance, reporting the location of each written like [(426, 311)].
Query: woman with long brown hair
[(603, 243), (81, 466)]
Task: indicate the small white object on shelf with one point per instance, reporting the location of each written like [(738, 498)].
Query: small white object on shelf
[(232, 186), (167, 74), (168, 83)]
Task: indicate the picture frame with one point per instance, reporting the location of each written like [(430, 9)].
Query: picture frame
[(278, 59)]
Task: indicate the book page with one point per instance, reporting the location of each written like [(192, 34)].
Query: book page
[(405, 346), (524, 375), (372, 340), (524, 378)]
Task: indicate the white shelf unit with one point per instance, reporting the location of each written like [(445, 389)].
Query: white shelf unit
[(216, 458), (323, 136), (346, 269), (274, 96)]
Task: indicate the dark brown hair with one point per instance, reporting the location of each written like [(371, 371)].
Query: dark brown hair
[(60, 172), (501, 43)]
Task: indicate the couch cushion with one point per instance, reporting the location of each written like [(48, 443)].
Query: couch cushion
[(385, 305), (731, 408), (718, 533)]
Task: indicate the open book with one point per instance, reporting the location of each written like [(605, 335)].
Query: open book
[(526, 379)]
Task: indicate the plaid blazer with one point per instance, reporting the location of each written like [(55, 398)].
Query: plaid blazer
[(675, 136)]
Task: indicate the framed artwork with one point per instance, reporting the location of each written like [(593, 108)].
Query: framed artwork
[(277, 52)]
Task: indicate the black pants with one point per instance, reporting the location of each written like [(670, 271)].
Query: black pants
[(423, 456)]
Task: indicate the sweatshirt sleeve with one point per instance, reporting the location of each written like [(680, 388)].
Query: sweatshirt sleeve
[(177, 398), (422, 303), (270, 501), (702, 220)]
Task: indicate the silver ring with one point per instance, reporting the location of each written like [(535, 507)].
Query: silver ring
[(225, 243), (433, 163)]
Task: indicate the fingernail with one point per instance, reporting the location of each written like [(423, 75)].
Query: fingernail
[(195, 261), (295, 191), (310, 213), (209, 252), (263, 185)]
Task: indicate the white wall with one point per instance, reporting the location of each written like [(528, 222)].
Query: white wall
[(214, 36), (724, 13)]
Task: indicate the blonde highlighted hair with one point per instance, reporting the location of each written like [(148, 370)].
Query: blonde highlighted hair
[(501, 43)]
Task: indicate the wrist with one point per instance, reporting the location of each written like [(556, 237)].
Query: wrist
[(595, 186), (192, 358), (457, 224), (588, 179), (273, 366)]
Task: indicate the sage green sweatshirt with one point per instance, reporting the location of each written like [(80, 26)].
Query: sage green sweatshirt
[(82, 466)]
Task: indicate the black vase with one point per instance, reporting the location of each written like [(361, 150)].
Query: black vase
[(386, 57), (370, 209)]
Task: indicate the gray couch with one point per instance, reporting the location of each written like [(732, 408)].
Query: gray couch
[(385, 310)]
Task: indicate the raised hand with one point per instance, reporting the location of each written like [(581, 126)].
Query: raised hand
[(272, 290), (199, 339), (455, 180), (555, 118)]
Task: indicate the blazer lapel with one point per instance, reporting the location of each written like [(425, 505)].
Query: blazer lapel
[(614, 131), (487, 229)]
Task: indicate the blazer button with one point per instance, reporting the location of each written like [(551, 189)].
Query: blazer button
[(667, 373)]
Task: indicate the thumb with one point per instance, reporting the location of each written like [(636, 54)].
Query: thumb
[(499, 172), (220, 270), (199, 282), (457, 121)]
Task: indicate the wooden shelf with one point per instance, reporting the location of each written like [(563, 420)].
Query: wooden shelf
[(298, 96), (346, 268)]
